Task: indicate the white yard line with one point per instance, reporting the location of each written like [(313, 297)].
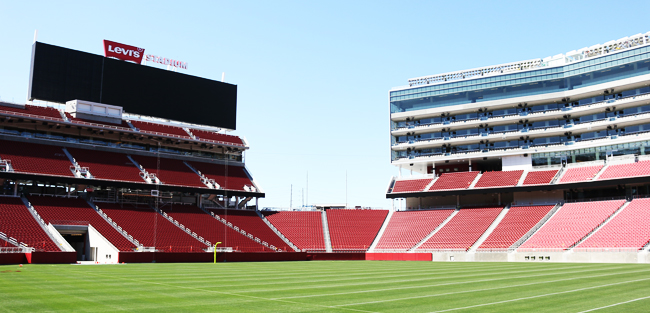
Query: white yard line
[(615, 304), (486, 289), (544, 295), (231, 293), (445, 284)]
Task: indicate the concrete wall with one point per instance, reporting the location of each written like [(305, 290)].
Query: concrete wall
[(567, 257), (106, 252)]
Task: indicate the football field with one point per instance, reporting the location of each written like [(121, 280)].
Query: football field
[(321, 286)]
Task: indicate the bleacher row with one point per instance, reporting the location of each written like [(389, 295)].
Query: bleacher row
[(614, 224), (494, 179), (52, 114), (52, 160)]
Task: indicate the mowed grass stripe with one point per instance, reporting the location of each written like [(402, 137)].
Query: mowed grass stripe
[(452, 281), (477, 297), (208, 287), (547, 294)]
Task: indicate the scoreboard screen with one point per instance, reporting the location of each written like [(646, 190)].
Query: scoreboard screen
[(59, 74)]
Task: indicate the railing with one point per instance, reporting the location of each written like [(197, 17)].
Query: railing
[(117, 227), (185, 229), (612, 249), (243, 232), (535, 228), (31, 115)]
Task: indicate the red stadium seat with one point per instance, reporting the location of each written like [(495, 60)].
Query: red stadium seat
[(407, 228), (450, 181), (411, 185), (354, 229), (65, 211), (16, 221), (628, 229), (150, 228), (571, 223), (35, 158), (303, 228), (463, 230), (499, 179), (517, 222)]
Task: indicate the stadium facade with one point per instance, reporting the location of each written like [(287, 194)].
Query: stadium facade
[(582, 106)]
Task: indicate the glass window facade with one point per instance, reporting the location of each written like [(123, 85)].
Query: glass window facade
[(568, 77)]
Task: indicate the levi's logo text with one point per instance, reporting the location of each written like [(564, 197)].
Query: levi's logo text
[(123, 52)]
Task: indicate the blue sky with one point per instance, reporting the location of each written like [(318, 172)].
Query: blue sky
[(313, 77)]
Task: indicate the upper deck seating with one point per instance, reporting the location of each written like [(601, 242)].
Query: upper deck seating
[(17, 222), (463, 230), (303, 228), (628, 229), (107, 165), (35, 158), (150, 228), (577, 174), (148, 127), (170, 171), (411, 185), (50, 113), (407, 228), (499, 179), (203, 134), (354, 229), (641, 168), (64, 211), (236, 178), (540, 177), (571, 223), (251, 223), (457, 180), (211, 229), (517, 222)]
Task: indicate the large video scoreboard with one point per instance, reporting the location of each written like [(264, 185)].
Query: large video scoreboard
[(59, 74)]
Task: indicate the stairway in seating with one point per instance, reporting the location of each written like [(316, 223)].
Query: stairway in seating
[(183, 228), (593, 231), (437, 228), (79, 172), (115, 226), (383, 228), (490, 229), (326, 232), (476, 179), (149, 178), (602, 170), (535, 228), (277, 232), (205, 180), (56, 239), (523, 178), (558, 176)]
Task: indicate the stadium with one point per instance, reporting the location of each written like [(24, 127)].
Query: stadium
[(526, 165)]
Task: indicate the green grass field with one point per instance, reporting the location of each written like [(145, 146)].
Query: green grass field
[(338, 286)]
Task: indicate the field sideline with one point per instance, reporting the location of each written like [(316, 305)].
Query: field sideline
[(321, 286)]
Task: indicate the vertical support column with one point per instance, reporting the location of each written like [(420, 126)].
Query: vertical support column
[(470, 165), (458, 201), (420, 203), (15, 188), (499, 196)]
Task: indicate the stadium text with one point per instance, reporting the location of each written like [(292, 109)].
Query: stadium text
[(123, 52), (166, 61)]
